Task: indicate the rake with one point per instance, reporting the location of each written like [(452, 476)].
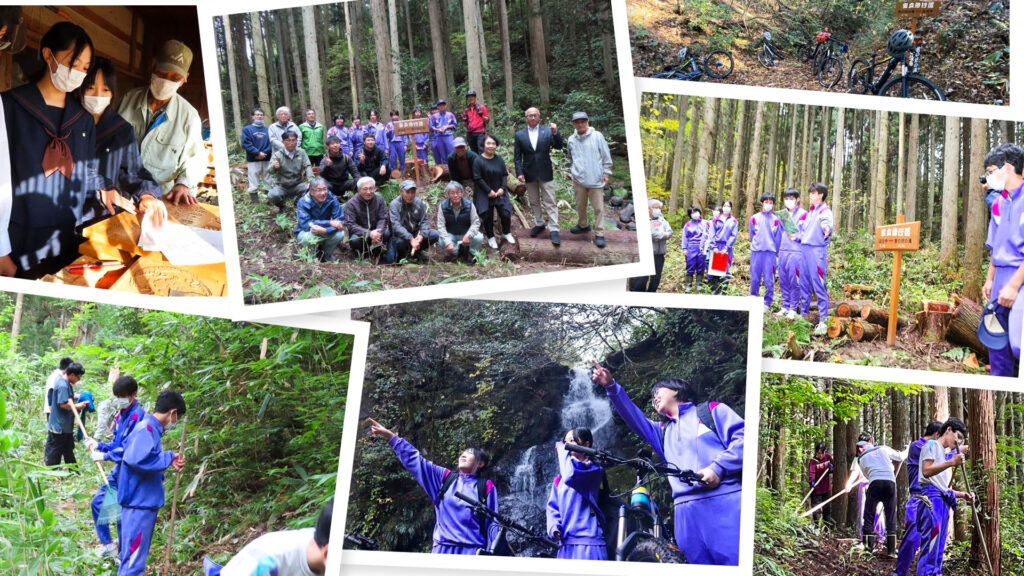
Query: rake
[(110, 509)]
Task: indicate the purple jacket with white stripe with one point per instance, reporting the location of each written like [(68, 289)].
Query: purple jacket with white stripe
[(689, 444), (573, 500)]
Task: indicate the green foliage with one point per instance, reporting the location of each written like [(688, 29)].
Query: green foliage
[(262, 433)]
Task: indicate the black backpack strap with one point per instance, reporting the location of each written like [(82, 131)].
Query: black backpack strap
[(449, 479), (705, 417), (481, 497)]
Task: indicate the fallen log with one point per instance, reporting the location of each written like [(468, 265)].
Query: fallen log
[(963, 325), (851, 308), (439, 173), (880, 316), (861, 331), (578, 249), (837, 326), (933, 322), (852, 289)]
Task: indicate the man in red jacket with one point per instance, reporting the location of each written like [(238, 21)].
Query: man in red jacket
[(476, 118)]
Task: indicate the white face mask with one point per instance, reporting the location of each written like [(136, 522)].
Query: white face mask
[(790, 203), (656, 213), (995, 182), (123, 403), (171, 425), (162, 88), (726, 209), (716, 213), (767, 207), (694, 217), (66, 79), (95, 104)]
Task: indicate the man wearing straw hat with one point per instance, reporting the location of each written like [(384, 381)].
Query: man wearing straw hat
[(129, 414)]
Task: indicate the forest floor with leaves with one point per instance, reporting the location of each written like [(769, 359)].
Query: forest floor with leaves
[(969, 66), (851, 260), (275, 268)]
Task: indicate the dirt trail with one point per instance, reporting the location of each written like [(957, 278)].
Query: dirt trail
[(842, 557)]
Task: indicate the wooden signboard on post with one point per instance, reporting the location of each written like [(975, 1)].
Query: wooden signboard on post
[(918, 8), (410, 128), (899, 238)]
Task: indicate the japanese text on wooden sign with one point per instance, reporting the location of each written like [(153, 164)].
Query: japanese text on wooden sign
[(412, 126), (918, 8), (905, 237)]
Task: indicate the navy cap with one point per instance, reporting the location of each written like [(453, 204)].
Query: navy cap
[(440, 102), (993, 328), (580, 116), (408, 185)]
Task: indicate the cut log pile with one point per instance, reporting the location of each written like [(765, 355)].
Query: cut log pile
[(955, 322)]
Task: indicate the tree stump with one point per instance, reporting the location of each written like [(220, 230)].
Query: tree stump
[(861, 331), (933, 322), (963, 324)]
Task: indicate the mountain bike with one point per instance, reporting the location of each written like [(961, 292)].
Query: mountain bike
[(908, 84), (828, 64), (768, 52), (642, 534), (501, 546), (358, 541), (809, 50), (717, 64)]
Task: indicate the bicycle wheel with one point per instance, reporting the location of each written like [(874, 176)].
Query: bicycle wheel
[(657, 550), (831, 72), (764, 58), (819, 60), (718, 64), (859, 80), (916, 87)]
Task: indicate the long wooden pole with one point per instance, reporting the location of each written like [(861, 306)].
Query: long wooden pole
[(174, 502), (974, 509), (894, 294), (85, 434), (813, 487)]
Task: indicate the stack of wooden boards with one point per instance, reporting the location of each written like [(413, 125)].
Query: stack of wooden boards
[(141, 272)]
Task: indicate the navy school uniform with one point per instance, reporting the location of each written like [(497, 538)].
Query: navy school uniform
[(120, 165), (47, 208)]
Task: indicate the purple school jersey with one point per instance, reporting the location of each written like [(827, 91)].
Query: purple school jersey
[(689, 444), (124, 423), (788, 245), (447, 119), (141, 481), (816, 219), (1006, 229), (726, 235), (765, 232), (572, 501), (456, 525), (695, 234)]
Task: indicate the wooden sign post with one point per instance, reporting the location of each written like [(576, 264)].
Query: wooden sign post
[(915, 9), (410, 128), (899, 238)]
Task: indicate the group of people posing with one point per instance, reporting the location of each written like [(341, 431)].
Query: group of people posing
[(930, 461), (792, 244), (335, 174), (707, 515), (71, 155), (130, 438)]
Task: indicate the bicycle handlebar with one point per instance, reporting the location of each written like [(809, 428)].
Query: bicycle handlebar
[(506, 521), (640, 463)]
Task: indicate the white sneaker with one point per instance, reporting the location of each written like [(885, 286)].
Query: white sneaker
[(109, 550), (782, 312), (791, 315), (510, 238), (767, 310), (821, 329), (492, 243)]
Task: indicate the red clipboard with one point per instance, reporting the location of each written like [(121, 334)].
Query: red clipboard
[(719, 265)]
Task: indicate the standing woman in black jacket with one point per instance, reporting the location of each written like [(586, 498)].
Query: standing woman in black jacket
[(490, 192)]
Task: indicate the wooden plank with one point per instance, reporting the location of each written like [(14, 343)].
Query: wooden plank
[(904, 236), (412, 126)]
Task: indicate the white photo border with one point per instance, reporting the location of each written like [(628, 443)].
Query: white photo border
[(240, 311), (381, 561)]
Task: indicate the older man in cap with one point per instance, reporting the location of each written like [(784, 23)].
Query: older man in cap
[(460, 165), (167, 128), (320, 220), (442, 128), (533, 146), (590, 164), (411, 235)]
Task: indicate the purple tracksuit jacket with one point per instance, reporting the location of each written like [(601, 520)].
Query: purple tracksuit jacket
[(141, 492), (912, 538), (765, 236), (1006, 242), (707, 521), (422, 143), (789, 264), (457, 530), (113, 451), (725, 237), (695, 239), (571, 506), (396, 148), (444, 142), (814, 257)]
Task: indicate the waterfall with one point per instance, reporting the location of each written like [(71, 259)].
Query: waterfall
[(530, 475)]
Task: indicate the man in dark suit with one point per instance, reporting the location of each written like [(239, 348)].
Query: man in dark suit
[(533, 167)]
